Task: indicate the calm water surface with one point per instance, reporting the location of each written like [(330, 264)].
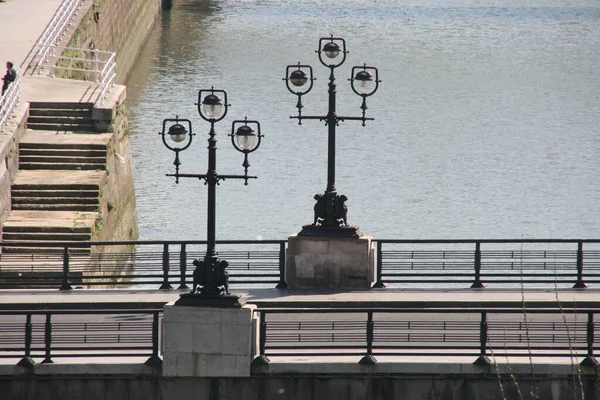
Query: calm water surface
[(486, 122)]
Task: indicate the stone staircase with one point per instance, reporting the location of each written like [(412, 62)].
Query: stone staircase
[(62, 156), (56, 193), (55, 197), (66, 117)]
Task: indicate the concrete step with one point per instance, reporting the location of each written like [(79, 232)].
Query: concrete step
[(54, 187), (7, 249), (60, 106), (54, 193), (45, 237), (38, 226), (61, 127), (63, 166), (28, 159), (49, 119), (49, 112), (56, 207), (48, 229), (61, 146), (54, 200), (61, 151)]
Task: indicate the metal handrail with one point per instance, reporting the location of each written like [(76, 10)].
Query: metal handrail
[(159, 264), (488, 261), (431, 332), (53, 32), (95, 65), (53, 334), (419, 263), (9, 100)]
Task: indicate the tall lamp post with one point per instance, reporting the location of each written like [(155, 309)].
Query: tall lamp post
[(330, 210), (210, 275)]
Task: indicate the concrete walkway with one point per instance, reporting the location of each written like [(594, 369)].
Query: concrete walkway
[(469, 298), (22, 22)]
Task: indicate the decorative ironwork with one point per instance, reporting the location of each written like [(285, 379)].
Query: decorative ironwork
[(212, 105), (330, 210)]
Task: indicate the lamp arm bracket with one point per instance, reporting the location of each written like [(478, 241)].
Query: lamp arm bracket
[(237, 177), (301, 117), (355, 119)]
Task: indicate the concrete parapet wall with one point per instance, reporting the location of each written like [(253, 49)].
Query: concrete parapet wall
[(207, 342), (427, 386), (315, 262), (9, 166), (118, 217)]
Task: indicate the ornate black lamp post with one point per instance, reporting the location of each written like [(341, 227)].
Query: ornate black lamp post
[(210, 273), (330, 210)]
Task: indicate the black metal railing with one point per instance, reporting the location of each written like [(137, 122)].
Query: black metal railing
[(484, 335), (477, 263), (49, 334), (153, 264), (556, 263)]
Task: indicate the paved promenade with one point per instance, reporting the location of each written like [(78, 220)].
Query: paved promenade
[(22, 22), (474, 298)]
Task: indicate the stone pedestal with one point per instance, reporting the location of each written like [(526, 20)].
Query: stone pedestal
[(208, 341), (321, 262)]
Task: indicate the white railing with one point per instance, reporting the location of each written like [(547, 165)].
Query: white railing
[(52, 33), (108, 76), (9, 100), (82, 64)]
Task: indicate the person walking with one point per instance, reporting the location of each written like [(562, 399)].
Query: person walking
[(9, 77)]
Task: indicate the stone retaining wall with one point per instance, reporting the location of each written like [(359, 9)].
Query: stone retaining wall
[(118, 26), (297, 387)]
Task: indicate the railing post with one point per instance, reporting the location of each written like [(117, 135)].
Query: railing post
[(27, 361), (165, 265), (590, 360), (477, 284), (65, 280), (580, 284), (282, 283), (182, 267), (379, 283), (154, 358), (483, 359), (262, 358), (48, 339), (368, 359)]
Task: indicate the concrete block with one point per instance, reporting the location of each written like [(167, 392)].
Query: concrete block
[(330, 263), (178, 337), (192, 314), (236, 341), (208, 339), (228, 366), (198, 347), (240, 316)]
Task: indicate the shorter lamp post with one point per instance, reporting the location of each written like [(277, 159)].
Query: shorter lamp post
[(330, 210), (211, 281)]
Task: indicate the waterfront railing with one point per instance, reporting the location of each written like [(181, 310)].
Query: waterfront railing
[(51, 36), (9, 101), (48, 335), (151, 264), (475, 263), (482, 336), (434, 264)]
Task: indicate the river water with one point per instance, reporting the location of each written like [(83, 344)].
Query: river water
[(487, 120)]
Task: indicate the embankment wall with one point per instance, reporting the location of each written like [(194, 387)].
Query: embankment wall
[(118, 26), (298, 387)]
